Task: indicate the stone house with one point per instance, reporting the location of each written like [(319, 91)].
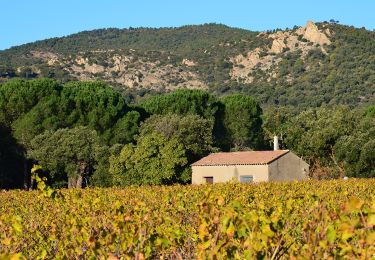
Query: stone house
[(249, 166)]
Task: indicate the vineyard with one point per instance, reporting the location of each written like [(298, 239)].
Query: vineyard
[(313, 220)]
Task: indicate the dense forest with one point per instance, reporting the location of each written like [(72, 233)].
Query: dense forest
[(277, 68), (87, 134)]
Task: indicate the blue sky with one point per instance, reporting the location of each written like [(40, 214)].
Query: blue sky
[(24, 21)]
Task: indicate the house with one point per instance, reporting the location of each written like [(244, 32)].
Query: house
[(250, 166)]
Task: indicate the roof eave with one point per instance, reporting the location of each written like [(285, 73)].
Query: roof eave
[(229, 164)]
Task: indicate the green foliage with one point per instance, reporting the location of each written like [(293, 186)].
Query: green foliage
[(126, 128), (192, 131), (40, 118), (336, 141), (356, 150), (154, 160), (186, 39), (370, 112), (91, 104), (243, 123), (102, 176), (275, 120), (183, 102), (67, 154), (314, 132), (19, 96)]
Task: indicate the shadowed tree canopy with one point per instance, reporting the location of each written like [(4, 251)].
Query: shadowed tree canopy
[(243, 123), (11, 160)]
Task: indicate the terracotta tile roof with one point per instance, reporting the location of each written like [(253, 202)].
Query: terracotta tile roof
[(247, 157)]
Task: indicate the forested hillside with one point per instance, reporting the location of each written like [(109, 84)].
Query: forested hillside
[(317, 64)]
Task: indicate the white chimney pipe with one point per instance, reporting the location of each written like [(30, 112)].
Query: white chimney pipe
[(275, 143)]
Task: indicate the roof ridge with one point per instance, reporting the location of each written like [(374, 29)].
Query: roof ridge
[(240, 157)]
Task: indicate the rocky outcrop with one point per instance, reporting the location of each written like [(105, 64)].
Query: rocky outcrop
[(136, 70), (126, 70), (188, 62), (303, 39), (245, 65), (292, 40), (136, 73), (311, 33), (50, 57)]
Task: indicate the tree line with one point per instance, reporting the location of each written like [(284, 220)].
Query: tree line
[(86, 134)]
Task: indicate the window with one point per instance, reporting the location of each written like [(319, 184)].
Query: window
[(246, 178), (209, 180)]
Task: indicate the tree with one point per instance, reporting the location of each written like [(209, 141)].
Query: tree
[(313, 133), (192, 131), (42, 117), (101, 176), (125, 128), (183, 102), (190, 102), (11, 159), (52, 107), (17, 97), (154, 160), (243, 123), (91, 104), (67, 154), (356, 150)]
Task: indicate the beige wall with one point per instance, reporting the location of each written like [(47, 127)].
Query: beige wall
[(227, 173), (288, 168)]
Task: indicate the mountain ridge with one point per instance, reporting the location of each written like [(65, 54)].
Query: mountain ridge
[(305, 66)]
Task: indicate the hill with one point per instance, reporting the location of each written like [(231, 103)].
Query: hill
[(309, 66)]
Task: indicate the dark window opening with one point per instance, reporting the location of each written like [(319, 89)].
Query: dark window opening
[(209, 180)]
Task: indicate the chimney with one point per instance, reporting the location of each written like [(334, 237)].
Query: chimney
[(275, 143)]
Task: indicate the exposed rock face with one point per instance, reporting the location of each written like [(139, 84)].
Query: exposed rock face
[(46, 55), (133, 70), (278, 43), (289, 40), (311, 32), (188, 62), (283, 41), (126, 70), (244, 65)]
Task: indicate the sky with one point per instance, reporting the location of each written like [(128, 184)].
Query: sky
[(24, 21)]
